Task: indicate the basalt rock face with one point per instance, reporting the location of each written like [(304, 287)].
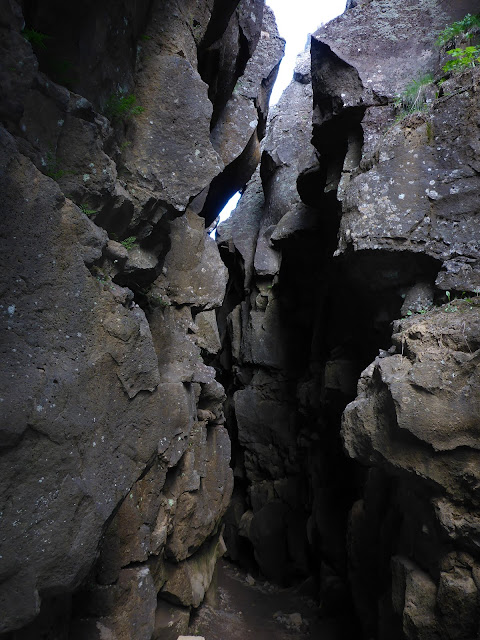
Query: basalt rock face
[(114, 455), (290, 475), (409, 224), (357, 258)]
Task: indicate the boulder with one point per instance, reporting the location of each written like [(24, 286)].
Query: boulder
[(106, 266), (428, 393), (188, 581), (67, 492), (193, 273)]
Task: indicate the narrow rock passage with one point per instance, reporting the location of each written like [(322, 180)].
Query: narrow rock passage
[(240, 607)]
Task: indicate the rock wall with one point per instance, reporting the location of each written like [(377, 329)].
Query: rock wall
[(117, 146), (320, 366), (357, 258)]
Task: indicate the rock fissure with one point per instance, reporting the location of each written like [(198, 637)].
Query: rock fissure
[(300, 395)]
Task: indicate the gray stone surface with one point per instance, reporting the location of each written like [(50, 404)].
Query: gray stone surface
[(269, 213), (265, 429), (105, 267), (76, 463), (170, 621), (240, 122), (431, 204), (193, 273), (160, 159), (263, 64), (418, 298), (414, 416), (318, 306), (288, 151), (415, 599), (206, 333), (202, 490), (246, 223), (431, 388), (388, 44), (188, 581)]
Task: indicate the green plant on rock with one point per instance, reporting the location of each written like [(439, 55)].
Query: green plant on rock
[(100, 275), (466, 27), (467, 298), (36, 38), (450, 307), (462, 59), (129, 243), (122, 107), (52, 168), (157, 300), (420, 311), (414, 97), (88, 212)]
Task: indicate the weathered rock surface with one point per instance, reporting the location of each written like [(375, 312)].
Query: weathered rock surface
[(116, 436), (159, 147), (430, 385), (408, 225), (267, 355), (425, 398), (430, 206), (64, 470), (115, 462), (328, 247), (188, 581), (241, 123)]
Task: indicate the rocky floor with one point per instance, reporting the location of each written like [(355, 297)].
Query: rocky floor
[(240, 607)]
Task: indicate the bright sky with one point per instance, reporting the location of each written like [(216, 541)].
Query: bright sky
[(295, 19)]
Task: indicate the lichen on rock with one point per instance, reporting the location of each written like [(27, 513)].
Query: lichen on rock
[(115, 461)]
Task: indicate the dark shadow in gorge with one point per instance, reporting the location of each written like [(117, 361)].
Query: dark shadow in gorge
[(297, 343), (332, 317)]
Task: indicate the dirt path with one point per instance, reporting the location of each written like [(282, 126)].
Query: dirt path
[(242, 608)]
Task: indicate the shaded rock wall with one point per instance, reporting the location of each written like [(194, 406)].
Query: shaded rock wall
[(351, 258), (114, 455), (329, 248)]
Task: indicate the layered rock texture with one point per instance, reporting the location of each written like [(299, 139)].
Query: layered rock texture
[(115, 148), (354, 255), (302, 394)]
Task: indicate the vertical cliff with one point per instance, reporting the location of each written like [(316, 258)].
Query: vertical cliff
[(117, 145), (302, 393), (356, 256)]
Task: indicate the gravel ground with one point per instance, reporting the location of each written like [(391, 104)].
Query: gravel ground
[(241, 607)]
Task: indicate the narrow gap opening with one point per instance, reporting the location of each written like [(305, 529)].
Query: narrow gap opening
[(296, 21), (295, 24), (274, 537), (226, 212)]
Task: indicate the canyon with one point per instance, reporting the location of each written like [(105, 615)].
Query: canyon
[(299, 395)]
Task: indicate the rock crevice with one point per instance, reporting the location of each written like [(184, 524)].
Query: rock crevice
[(352, 257), (115, 458), (301, 395)]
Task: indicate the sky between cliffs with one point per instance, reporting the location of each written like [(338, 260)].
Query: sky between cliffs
[(296, 19)]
